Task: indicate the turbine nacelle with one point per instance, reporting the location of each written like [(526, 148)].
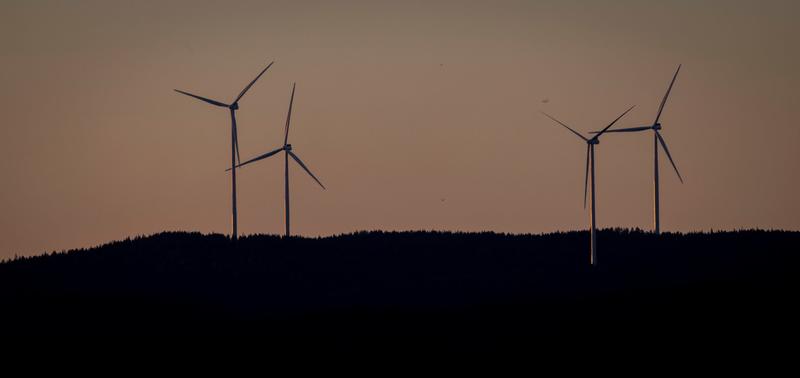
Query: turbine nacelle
[(593, 141), (234, 106), (287, 147), (657, 126)]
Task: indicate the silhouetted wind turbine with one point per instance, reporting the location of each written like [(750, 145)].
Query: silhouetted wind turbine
[(657, 138), (590, 143), (287, 149), (234, 136)]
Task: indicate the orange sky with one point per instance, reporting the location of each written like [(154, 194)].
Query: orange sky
[(399, 105)]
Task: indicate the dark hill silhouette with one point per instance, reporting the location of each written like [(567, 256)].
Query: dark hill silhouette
[(454, 289)]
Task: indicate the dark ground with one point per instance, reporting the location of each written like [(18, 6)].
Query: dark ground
[(422, 289)]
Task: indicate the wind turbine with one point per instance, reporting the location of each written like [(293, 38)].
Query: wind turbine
[(590, 143), (657, 138), (234, 136), (287, 149)]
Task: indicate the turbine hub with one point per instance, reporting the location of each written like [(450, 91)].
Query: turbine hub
[(234, 106), (594, 141), (657, 126), (287, 147)]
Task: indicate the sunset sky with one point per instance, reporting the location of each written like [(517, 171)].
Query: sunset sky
[(414, 114)]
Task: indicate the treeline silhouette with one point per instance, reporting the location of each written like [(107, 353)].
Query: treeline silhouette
[(397, 288)]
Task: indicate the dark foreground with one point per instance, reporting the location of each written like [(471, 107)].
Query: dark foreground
[(430, 290)]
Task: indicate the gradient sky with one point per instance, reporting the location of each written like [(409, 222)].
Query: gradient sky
[(415, 114)]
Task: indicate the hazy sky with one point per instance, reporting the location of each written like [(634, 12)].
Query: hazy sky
[(415, 114)]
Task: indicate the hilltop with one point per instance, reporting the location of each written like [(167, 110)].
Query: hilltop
[(451, 288)]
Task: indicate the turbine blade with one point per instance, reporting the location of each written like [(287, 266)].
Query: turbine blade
[(208, 100), (297, 159), (238, 157), (257, 158), (626, 130), (664, 100), (289, 116), (586, 176), (568, 128), (251, 83), (613, 122), (235, 137), (664, 144)]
